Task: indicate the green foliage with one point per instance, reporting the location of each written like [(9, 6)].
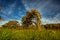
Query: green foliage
[(11, 34)]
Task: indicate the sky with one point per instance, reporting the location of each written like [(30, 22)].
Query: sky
[(16, 9)]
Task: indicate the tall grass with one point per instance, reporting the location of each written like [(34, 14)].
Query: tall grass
[(12, 34)]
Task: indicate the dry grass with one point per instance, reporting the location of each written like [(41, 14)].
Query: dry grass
[(14, 34)]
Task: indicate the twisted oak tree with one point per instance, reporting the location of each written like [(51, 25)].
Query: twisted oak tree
[(32, 15)]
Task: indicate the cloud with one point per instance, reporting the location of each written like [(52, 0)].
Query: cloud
[(57, 16), (50, 21), (49, 9), (57, 2), (3, 22)]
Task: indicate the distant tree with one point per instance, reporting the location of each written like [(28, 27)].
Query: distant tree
[(11, 24), (52, 26)]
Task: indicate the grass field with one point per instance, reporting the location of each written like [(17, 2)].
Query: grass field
[(13, 34)]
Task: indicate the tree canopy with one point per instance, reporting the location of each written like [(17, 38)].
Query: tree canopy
[(30, 16)]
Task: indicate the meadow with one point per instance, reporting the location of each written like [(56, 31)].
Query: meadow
[(14, 34)]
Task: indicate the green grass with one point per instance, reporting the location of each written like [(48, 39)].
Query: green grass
[(12, 34)]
